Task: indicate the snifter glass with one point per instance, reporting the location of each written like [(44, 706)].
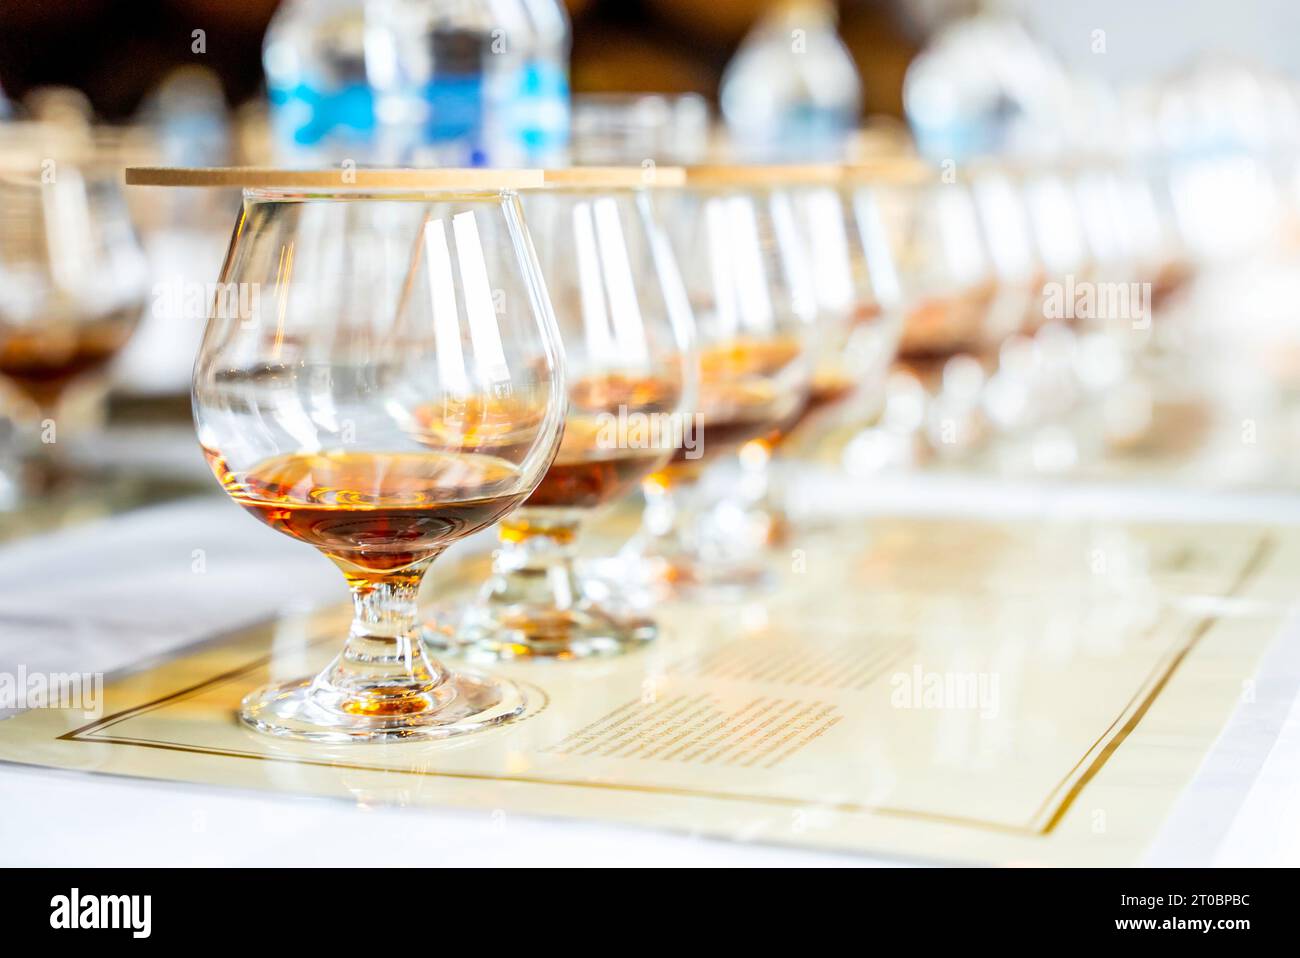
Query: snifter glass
[(924, 235), (380, 377), (626, 328), (74, 278), (736, 237), (856, 329)]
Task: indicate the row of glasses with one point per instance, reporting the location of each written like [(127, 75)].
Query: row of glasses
[(747, 277), (923, 244), (393, 382), (392, 366), (1019, 387), (1116, 256), (627, 330), (1007, 271), (855, 325), (400, 368)]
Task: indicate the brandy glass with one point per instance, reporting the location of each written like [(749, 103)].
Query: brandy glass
[(75, 282), (1114, 313), (923, 239), (1068, 267), (858, 322), (855, 335), (380, 377), (626, 329), (1026, 388), (1032, 390), (735, 234), (858, 306)]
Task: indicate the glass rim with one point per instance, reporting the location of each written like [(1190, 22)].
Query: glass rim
[(897, 171), (273, 194), (341, 180), (612, 177), (763, 175)]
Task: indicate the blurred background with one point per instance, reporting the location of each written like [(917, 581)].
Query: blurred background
[(119, 53), (1147, 141), (118, 58)]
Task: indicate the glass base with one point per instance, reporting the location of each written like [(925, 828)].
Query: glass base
[(313, 711), (734, 576), (653, 568), (666, 577), (535, 605), (696, 572), (584, 631)]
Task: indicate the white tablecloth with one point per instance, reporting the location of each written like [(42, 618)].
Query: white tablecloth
[(110, 596)]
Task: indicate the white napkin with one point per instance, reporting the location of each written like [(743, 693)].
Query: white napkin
[(99, 597)]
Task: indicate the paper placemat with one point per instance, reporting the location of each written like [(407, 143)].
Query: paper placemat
[(950, 691)]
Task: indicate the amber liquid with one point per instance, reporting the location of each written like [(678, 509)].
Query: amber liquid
[(584, 475), (593, 466), (43, 360), (738, 401), (606, 392), (502, 426), (865, 313), (830, 383), (828, 388), (734, 414), (1170, 278), (376, 513), (746, 356), (941, 327)]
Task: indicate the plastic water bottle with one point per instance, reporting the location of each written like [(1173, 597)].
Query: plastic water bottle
[(472, 83), (322, 102), (792, 91), (188, 113), (537, 115), (984, 85)]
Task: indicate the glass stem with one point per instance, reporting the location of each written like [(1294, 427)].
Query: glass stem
[(662, 514), (538, 563), (383, 667), (755, 473), (741, 525)]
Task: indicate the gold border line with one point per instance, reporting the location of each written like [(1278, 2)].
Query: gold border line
[(1253, 564)]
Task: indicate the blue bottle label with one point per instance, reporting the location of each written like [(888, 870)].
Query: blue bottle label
[(540, 111), (455, 108), (307, 116)]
